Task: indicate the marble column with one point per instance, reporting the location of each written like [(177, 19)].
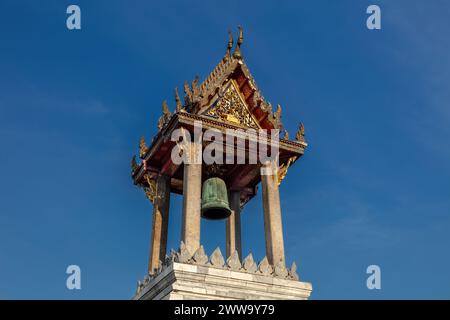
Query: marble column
[(272, 219), (158, 242), (192, 194), (233, 225)]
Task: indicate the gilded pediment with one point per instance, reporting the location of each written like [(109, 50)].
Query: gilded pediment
[(229, 106)]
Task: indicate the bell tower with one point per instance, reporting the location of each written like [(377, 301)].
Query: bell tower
[(221, 143)]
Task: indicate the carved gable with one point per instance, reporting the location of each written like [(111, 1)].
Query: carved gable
[(229, 106)]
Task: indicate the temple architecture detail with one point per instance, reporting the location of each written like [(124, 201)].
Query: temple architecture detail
[(227, 102)]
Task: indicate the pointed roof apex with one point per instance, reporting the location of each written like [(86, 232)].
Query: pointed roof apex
[(237, 50), (230, 43), (241, 36)]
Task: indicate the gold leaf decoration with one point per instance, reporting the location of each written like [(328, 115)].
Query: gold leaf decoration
[(150, 191), (232, 108), (142, 147), (134, 165), (300, 136), (283, 169)]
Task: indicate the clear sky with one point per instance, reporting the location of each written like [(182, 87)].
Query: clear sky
[(372, 188)]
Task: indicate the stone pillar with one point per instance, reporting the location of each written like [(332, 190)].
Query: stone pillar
[(192, 194), (233, 225), (272, 218), (158, 242)]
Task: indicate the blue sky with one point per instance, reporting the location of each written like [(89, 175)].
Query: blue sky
[(372, 188)]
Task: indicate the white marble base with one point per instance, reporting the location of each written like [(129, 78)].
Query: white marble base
[(181, 281)]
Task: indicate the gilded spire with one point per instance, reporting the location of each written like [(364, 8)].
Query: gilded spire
[(187, 93), (230, 44), (241, 36), (177, 100), (165, 107), (165, 116), (300, 136), (277, 113), (134, 165), (195, 89), (237, 50), (142, 147)]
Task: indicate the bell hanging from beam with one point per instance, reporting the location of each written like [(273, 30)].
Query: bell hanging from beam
[(215, 205)]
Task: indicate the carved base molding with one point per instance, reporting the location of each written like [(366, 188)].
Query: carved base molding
[(197, 276), (182, 281)]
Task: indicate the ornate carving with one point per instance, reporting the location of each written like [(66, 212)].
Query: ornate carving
[(146, 280), (274, 117), (179, 106), (165, 116), (237, 50), (150, 190), (280, 270), (195, 90), (200, 257), (171, 257), (139, 287), (249, 264), (187, 93), (216, 259), (215, 170), (293, 272), (232, 108), (229, 45), (233, 262), (134, 165), (283, 169), (277, 114), (160, 267), (300, 136), (142, 147), (183, 255), (264, 267)]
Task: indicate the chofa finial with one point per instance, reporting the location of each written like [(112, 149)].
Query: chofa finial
[(134, 165), (142, 147), (241, 36), (165, 107), (230, 43), (300, 136), (177, 101), (237, 50)]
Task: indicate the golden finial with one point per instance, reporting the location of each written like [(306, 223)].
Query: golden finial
[(230, 43), (277, 113), (237, 50), (286, 135), (165, 107), (300, 136), (241, 36), (142, 147), (134, 165), (177, 100), (150, 191), (187, 93), (195, 88), (283, 169)]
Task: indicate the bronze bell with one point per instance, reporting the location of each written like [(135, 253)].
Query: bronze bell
[(215, 204)]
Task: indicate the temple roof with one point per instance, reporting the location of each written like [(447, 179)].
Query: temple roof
[(232, 74), (227, 99)]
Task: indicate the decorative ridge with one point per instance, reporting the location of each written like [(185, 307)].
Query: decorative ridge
[(217, 260)]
